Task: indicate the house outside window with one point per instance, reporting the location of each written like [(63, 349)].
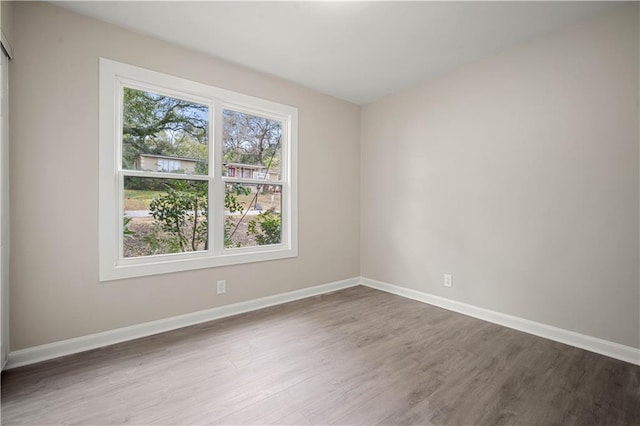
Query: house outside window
[(169, 199), (160, 163)]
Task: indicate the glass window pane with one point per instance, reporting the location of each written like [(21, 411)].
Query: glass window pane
[(252, 215), (251, 146), (164, 216), (164, 134)]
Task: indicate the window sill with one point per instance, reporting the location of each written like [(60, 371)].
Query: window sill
[(165, 264)]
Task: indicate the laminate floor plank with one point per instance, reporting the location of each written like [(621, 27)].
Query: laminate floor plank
[(356, 356)]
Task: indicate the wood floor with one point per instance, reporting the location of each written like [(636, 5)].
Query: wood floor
[(357, 356)]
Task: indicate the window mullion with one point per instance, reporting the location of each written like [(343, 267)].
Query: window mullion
[(216, 203), (120, 215)]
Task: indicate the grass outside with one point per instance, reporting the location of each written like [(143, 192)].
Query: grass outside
[(139, 199)]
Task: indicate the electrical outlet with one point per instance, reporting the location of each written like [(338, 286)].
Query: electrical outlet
[(448, 280), (222, 286)]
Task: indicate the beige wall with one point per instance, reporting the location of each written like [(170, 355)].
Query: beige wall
[(55, 293), (523, 182)]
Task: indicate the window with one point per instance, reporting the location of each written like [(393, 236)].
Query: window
[(166, 165), (169, 198)]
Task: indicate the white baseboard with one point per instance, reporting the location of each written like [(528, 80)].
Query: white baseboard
[(582, 341), (84, 343), (79, 344)]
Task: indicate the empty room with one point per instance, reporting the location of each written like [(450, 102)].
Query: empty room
[(346, 213)]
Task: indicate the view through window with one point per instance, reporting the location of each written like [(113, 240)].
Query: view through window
[(170, 215), (185, 189)]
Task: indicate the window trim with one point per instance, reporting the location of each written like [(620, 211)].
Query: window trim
[(112, 265)]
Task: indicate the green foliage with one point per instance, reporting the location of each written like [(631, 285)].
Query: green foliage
[(158, 243), (162, 125), (231, 193), (127, 233), (182, 213), (154, 241), (266, 228), (233, 205), (202, 168), (191, 148), (145, 184)]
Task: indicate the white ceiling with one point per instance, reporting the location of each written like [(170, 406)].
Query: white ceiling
[(358, 51)]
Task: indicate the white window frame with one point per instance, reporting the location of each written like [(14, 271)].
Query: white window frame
[(114, 76)]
